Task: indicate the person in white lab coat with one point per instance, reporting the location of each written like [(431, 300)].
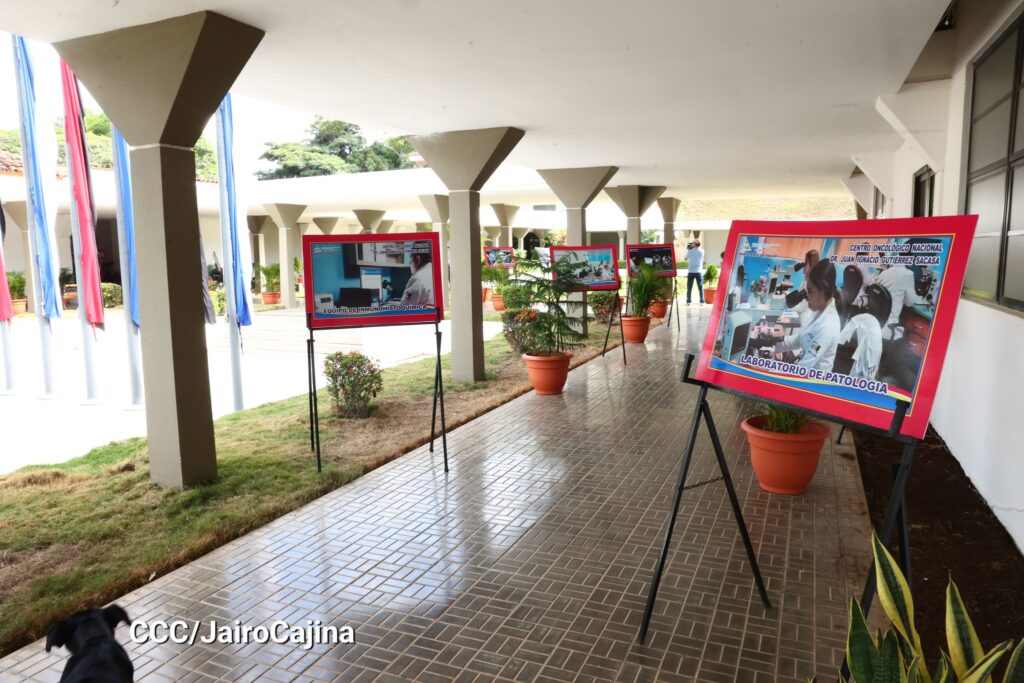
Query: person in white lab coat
[(419, 290), (867, 328), (818, 339), (899, 281)]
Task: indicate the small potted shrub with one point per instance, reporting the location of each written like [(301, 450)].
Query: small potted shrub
[(546, 332), (659, 307), (644, 288), (501, 284), (353, 380), (272, 276), (16, 285), (603, 305), (784, 448), (710, 283)]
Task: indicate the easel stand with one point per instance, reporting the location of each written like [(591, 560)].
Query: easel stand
[(702, 410), (616, 311), (314, 409), (675, 302)]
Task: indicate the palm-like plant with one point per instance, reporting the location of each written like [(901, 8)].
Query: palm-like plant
[(646, 287), (550, 325)]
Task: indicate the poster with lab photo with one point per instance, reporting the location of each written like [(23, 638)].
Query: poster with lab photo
[(593, 267), (840, 317), (500, 257), (359, 280), (661, 257)]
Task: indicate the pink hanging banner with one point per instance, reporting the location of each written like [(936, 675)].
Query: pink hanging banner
[(6, 309), (89, 293)]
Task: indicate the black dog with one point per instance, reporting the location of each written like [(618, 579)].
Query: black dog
[(96, 656)]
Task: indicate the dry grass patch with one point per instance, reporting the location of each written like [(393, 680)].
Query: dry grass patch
[(85, 532)]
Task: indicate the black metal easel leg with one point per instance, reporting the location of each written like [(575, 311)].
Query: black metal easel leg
[(440, 397), (611, 318), (691, 442), (672, 308), (903, 531), (892, 513), (842, 430), (310, 369), (724, 468), (316, 405), (433, 413)]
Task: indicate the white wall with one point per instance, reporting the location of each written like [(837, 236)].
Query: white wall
[(978, 407)]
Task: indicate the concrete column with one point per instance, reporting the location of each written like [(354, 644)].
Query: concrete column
[(18, 213), (424, 227), (669, 210), (160, 83), (506, 214), (286, 217), (437, 207), (385, 226), (327, 224), (519, 234), (493, 234), (634, 200), (464, 160), (369, 219), (576, 188), (622, 244)]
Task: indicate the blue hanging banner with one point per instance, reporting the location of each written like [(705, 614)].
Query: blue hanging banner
[(126, 217), (42, 228), (229, 211)]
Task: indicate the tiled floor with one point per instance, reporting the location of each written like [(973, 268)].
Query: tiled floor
[(531, 559)]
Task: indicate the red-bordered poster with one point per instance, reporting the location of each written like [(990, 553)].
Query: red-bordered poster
[(358, 280), (587, 268), (662, 257), (500, 257), (843, 318)]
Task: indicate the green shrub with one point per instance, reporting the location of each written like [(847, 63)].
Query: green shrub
[(219, 299), (645, 288), (16, 283), (516, 296), (111, 294), (353, 380), (711, 275), (515, 324), (272, 276), (603, 304), (782, 420)]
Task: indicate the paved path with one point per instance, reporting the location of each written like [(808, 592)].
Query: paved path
[(530, 561), (274, 367)]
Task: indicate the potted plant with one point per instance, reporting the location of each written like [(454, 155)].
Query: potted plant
[(710, 283), (272, 275), (16, 285), (784, 448), (497, 278), (644, 287), (659, 306), (545, 330)]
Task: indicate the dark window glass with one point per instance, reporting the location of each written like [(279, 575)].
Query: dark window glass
[(924, 192), (986, 198), (990, 136), (993, 77)]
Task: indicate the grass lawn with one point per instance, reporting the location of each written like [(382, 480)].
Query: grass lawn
[(83, 533)]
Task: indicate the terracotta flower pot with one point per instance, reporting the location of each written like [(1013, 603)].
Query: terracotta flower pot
[(635, 328), (271, 297), (784, 463), (485, 293), (19, 306), (658, 309), (548, 374), (499, 302), (709, 294)]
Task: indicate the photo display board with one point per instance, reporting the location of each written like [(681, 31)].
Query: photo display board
[(843, 318), (661, 256), (588, 268), (500, 257), (359, 280)]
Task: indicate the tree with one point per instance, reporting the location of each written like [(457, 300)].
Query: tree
[(334, 147)]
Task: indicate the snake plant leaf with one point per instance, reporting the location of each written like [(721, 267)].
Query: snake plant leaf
[(943, 672), (861, 648), (889, 665), (964, 647), (981, 671), (1015, 668), (894, 593)]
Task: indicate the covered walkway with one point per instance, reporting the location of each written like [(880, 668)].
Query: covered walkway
[(531, 559)]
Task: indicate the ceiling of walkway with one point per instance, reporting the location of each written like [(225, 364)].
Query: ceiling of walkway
[(742, 96)]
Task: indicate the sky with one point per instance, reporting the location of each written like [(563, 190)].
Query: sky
[(256, 122)]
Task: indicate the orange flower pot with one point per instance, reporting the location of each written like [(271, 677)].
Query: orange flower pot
[(548, 374), (485, 293), (271, 297), (499, 302), (709, 294), (635, 328), (658, 309), (784, 463), (19, 306)]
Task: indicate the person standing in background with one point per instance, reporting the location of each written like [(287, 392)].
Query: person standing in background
[(694, 271)]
